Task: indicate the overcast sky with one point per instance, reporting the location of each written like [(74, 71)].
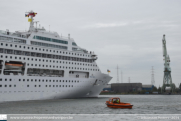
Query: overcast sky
[(127, 33)]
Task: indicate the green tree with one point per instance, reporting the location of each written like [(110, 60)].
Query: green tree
[(155, 89), (159, 89)]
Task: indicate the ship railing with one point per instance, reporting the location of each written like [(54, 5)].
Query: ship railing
[(13, 34)]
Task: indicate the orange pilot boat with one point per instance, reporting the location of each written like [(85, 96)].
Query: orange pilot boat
[(115, 103)]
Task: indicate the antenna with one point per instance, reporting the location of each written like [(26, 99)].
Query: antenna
[(152, 77), (117, 74), (36, 23), (128, 79), (121, 77), (49, 28)]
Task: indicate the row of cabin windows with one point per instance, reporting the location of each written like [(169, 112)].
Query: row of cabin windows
[(32, 59), (47, 50), (81, 60), (48, 45), (63, 67), (50, 39), (40, 86), (7, 86), (42, 55), (39, 80)]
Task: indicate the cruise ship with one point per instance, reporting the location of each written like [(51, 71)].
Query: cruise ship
[(39, 64)]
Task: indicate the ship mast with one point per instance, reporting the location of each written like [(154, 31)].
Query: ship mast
[(31, 14)]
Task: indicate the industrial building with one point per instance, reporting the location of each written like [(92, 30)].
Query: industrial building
[(148, 87), (126, 87), (107, 87)]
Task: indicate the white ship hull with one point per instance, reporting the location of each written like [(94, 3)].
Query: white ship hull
[(85, 88)]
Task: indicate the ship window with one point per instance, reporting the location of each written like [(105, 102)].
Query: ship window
[(19, 79), (6, 44), (46, 80), (39, 80), (1, 43), (63, 85), (24, 47), (1, 56), (0, 79), (49, 85), (59, 85), (19, 46), (27, 85), (35, 48), (46, 86), (0, 85), (60, 80), (31, 79), (35, 80), (35, 85), (53, 85), (27, 79), (39, 85), (42, 80), (5, 85), (28, 47), (14, 85), (53, 80), (49, 80), (32, 48), (15, 45), (6, 56), (23, 79), (72, 85), (66, 85)]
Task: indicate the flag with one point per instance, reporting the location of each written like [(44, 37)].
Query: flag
[(108, 70), (29, 20), (26, 15)]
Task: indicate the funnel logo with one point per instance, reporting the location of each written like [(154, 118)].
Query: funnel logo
[(3, 117)]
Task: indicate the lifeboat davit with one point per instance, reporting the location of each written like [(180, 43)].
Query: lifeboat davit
[(13, 66), (115, 103)]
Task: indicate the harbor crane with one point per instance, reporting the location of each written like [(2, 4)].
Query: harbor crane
[(167, 79)]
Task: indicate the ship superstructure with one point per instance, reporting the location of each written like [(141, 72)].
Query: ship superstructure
[(39, 64)]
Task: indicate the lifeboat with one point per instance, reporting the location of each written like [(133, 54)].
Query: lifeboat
[(13, 66), (115, 103)]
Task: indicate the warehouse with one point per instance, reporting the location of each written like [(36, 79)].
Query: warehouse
[(126, 87)]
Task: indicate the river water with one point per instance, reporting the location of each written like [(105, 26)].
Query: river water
[(142, 104)]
